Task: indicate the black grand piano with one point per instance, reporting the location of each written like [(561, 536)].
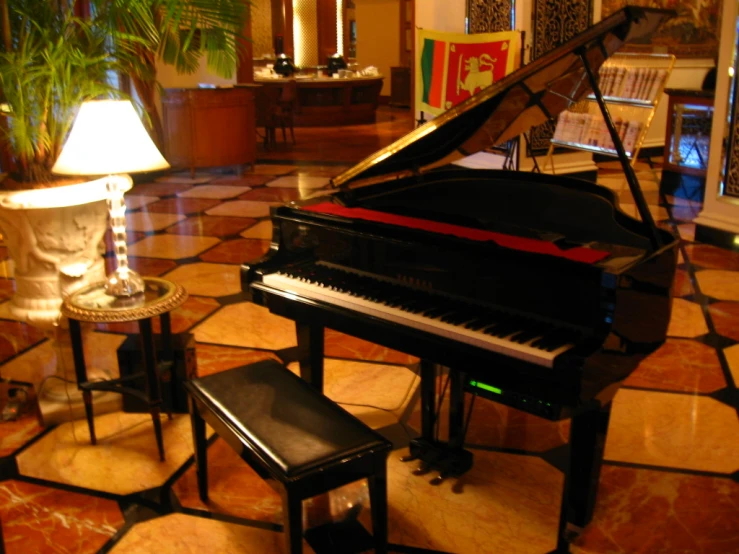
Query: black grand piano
[(533, 290)]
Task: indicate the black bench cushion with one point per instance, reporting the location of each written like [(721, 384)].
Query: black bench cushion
[(284, 417)]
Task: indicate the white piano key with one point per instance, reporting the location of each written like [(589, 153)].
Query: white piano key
[(525, 352)]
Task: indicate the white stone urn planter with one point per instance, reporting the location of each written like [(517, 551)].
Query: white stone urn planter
[(54, 238)]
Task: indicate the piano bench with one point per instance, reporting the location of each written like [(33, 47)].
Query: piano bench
[(293, 436)]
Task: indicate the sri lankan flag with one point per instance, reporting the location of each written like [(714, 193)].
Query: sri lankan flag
[(453, 66), (433, 67)]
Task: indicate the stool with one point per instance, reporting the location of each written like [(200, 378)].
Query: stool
[(92, 304), (292, 435)]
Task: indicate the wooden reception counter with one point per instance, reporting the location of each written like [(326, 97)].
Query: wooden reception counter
[(206, 127), (323, 101)]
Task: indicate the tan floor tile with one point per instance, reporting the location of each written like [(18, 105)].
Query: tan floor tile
[(242, 208), (658, 213), (616, 183), (732, 357), (248, 325), (134, 201), (720, 284), (687, 320), (185, 534), (649, 185), (125, 459), (32, 366), (382, 390), (234, 488), (299, 182), (673, 430), (214, 191), (150, 221), (205, 279), (171, 247), (214, 358), (5, 312), (262, 230), (509, 504)]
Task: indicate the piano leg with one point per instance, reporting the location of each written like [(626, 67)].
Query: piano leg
[(587, 443), (582, 472), (310, 353)]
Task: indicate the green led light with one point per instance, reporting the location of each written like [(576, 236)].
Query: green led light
[(488, 388)]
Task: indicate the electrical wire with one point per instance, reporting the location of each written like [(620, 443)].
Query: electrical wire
[(406, 395)]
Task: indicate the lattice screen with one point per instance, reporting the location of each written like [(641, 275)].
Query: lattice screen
[(305, 32), (261, 28)]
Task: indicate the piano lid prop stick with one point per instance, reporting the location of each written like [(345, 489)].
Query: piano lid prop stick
[(631, 179)]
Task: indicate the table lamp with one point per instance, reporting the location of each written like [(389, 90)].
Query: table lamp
[(108, 138)]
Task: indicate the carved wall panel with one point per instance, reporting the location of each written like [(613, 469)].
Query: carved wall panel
[(554, 22), (490, 16), (731, 177)]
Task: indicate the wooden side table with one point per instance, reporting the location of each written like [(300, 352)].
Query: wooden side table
[(91, 304)]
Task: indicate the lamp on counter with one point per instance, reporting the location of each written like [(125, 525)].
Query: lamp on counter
[(108, 138)]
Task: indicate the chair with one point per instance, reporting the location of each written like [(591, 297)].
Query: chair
[(266, 102), (286, 104), (274, 107)]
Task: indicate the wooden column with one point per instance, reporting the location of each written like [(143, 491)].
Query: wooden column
[(326, 25), (245, 66), (282, 24)]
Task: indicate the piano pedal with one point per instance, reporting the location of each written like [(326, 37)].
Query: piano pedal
[(438, 480), (408, 458), (422, 469)]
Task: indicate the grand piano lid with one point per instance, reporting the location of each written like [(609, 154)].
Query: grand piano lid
[(530, 96)]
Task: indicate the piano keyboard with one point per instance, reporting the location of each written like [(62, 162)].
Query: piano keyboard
[(517, 337)]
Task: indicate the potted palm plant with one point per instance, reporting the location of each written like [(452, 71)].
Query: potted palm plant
[(52, 60), (54, 55)]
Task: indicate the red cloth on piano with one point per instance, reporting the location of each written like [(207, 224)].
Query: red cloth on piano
[(576, 254)]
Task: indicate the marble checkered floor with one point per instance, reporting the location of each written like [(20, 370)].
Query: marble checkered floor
[(669, 483)]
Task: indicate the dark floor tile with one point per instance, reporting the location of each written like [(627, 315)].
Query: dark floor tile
[(643, 511), (680, 365), (236, 251), (267, 194), (15, 337), (183, 206), (211, 226)]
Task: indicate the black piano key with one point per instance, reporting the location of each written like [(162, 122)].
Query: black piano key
[(437, 312), (459, 317), (536, 330), (506, 326), (478, 323), (556, 339)]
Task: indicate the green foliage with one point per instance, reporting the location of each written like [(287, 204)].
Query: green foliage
[(56, 62), (52, 61)]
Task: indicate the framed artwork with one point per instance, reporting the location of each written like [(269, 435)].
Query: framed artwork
[(693, 33)]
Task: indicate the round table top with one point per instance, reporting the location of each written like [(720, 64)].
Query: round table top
[(93, 304)]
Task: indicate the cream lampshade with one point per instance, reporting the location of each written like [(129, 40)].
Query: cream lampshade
[(108, 138)]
